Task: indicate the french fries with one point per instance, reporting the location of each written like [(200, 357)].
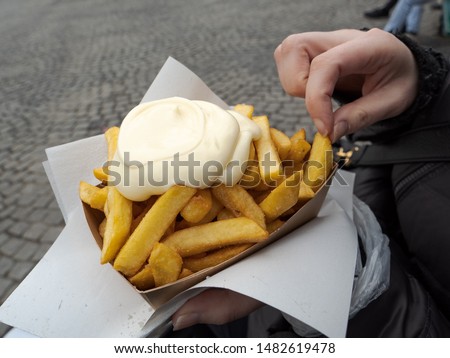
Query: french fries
[(139, 246), (269, 160), (197, 208), (93, 196), (239, 201), (198, 263), (214, 235), (118, 224), (282, 198), (165, 264), (282, 142), (186, 230), (320, 162), (299, 147), (245, 109)]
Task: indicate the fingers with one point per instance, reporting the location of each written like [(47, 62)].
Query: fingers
[(353, 57), (297, 57), (214, 306), (294, 55), (390, 81), (385, 102)]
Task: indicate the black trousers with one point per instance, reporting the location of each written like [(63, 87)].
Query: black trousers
[(412, 204)]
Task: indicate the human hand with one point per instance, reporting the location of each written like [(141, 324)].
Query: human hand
[(373, 64), (214, 306)]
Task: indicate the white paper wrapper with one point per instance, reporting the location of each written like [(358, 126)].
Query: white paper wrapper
[(308, 274)]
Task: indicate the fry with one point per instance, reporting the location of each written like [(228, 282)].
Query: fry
[(225, 214), (269, 161), (93, 196), (240, 202), (251, 179), (214, 258), (252, 153), (197, 208), (305, 193), (281, 141), (214, 235), (282, 198), (101, 173), (244, 109), (102, 228), (118, 224), (165, 264), (144, 279), (274, 225), (184, 273), (137, 220), (320, 162), (299, 147), (112, 135), (138, 247)]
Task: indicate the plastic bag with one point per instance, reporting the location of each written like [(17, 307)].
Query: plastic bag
[(372, 279)]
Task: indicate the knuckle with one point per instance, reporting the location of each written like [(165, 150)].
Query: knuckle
[(362, 119)]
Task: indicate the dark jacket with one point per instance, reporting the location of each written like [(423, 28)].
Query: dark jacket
[(412, 204)]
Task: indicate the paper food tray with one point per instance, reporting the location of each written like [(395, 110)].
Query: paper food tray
[(160, 295), (308, 274)]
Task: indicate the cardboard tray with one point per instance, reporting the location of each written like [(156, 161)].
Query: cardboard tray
[(160, 295)]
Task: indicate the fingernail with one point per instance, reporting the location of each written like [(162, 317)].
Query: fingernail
[(185, 321), (321, 127), (340, 129)]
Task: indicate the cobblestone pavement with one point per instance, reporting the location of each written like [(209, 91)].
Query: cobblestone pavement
[(69, 69)]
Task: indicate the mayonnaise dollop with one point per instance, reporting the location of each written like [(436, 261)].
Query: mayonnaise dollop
[(178, 141)]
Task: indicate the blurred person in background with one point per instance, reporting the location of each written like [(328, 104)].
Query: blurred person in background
[(382, 11), (406, 17)]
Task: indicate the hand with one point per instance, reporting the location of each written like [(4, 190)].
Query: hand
[(375, 65), (214, 306)]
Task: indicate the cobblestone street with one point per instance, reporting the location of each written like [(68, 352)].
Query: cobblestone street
[(70, 69)]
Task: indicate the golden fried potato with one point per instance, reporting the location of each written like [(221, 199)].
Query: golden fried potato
[(137, 219), (197, 208), (101, 173), (251, 179), (102, 228), (225, 214), (282, 198), (305, 193), (212, 214), (269, 161), (93, 196), (214, 235), (244, 109), (118, 224), (185, 273), (151, 229), (300, 147), (240, 202), (213, 258), (165, 263), (144, 279), (281, 141), (320, 162), (274, 225), (112, 135)]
